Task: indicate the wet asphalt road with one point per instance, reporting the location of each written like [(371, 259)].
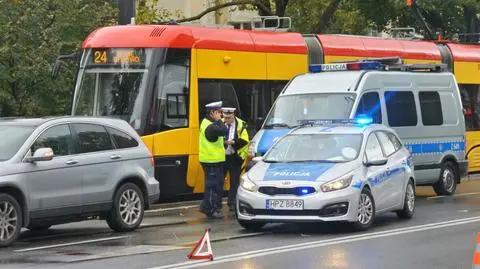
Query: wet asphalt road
[(441, 235)]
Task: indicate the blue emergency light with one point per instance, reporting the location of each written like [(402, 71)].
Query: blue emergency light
[(360, 120), (362, 65)]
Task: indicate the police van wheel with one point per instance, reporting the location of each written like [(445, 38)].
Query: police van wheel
[(447, 183), (408, 203), (366, 211), (250, 225)]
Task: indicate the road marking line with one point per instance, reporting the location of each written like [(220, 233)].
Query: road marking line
[(72, 243), (321, 243), (456, 195), (188, 244)]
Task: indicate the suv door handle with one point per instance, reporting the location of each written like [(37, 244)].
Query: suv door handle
[(115, 157), (70, 162)]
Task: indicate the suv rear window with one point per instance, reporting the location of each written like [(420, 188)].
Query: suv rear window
[(121, 139)]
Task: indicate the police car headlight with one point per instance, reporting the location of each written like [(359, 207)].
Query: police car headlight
[(337, 184), (247, 184)]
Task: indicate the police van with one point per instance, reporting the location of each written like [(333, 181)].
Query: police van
[(420, 102)]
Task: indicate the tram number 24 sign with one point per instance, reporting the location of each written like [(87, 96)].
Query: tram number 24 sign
[(118, 56)]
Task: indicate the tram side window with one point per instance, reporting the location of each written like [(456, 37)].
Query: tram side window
[(171, 104), (213, 91), (471, 106), (370, 105), (431, 108), (252, 98), (401, 110)]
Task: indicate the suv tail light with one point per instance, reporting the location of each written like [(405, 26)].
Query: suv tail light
[(152, 160)]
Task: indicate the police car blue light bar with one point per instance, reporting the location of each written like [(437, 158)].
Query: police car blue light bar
[(362, 65), (361, 120)]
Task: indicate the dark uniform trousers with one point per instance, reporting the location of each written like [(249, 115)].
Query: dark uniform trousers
[(233, 164), (214, 177)]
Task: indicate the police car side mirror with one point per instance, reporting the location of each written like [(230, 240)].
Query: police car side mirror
[(381, 161)]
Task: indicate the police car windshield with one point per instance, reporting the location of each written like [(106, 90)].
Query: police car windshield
[(316, 147), (289, 109)]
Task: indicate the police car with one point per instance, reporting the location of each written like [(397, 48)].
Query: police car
[(329, 170)]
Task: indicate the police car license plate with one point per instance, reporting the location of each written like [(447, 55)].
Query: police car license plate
[(285, 204)]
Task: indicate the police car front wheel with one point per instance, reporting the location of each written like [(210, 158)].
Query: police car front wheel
[(366, 211)]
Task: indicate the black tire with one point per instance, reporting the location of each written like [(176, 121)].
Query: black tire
[(38, 228), (362, 225), (16, 211), (447, 182), (250, 225), (114, 218), (408, 209)]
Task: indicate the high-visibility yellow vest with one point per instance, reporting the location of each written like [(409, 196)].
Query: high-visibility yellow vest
[(243, 134), (210, 152)]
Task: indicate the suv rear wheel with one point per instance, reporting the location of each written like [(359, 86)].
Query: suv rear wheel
[(10, 219), (128, 208)]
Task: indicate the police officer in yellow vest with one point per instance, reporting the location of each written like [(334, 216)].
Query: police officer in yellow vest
[(236, 149), (212, 157)]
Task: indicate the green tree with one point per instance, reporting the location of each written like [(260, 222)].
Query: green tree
[(32, 34), (151, 11), (451, 16)]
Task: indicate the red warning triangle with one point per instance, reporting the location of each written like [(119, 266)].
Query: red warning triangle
[(195, 254)]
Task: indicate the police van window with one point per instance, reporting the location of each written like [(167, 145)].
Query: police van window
[(387, 144), (210, 90), (401, 110), (431, 108), (373, 150), (370, 105)]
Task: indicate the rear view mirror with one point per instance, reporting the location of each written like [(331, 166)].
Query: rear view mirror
[(40, 155), (58, 62), (381, 161), (56, 69)]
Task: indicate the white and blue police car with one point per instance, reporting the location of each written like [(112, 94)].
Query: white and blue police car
[(329, 170)]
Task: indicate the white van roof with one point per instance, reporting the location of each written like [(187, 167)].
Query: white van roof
[(342, 81)]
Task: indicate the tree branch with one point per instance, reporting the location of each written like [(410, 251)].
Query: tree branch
[(327, 15), (256, 3)]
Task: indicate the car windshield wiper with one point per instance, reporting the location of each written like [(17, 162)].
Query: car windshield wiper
[(313, 161), (272, 125)]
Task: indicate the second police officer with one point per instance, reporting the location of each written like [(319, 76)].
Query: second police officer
[(236, 150), (212, 157)]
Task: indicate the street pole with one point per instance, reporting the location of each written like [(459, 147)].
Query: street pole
[(127, 11)]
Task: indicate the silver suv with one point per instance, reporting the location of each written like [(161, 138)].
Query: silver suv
[(66, 169)]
